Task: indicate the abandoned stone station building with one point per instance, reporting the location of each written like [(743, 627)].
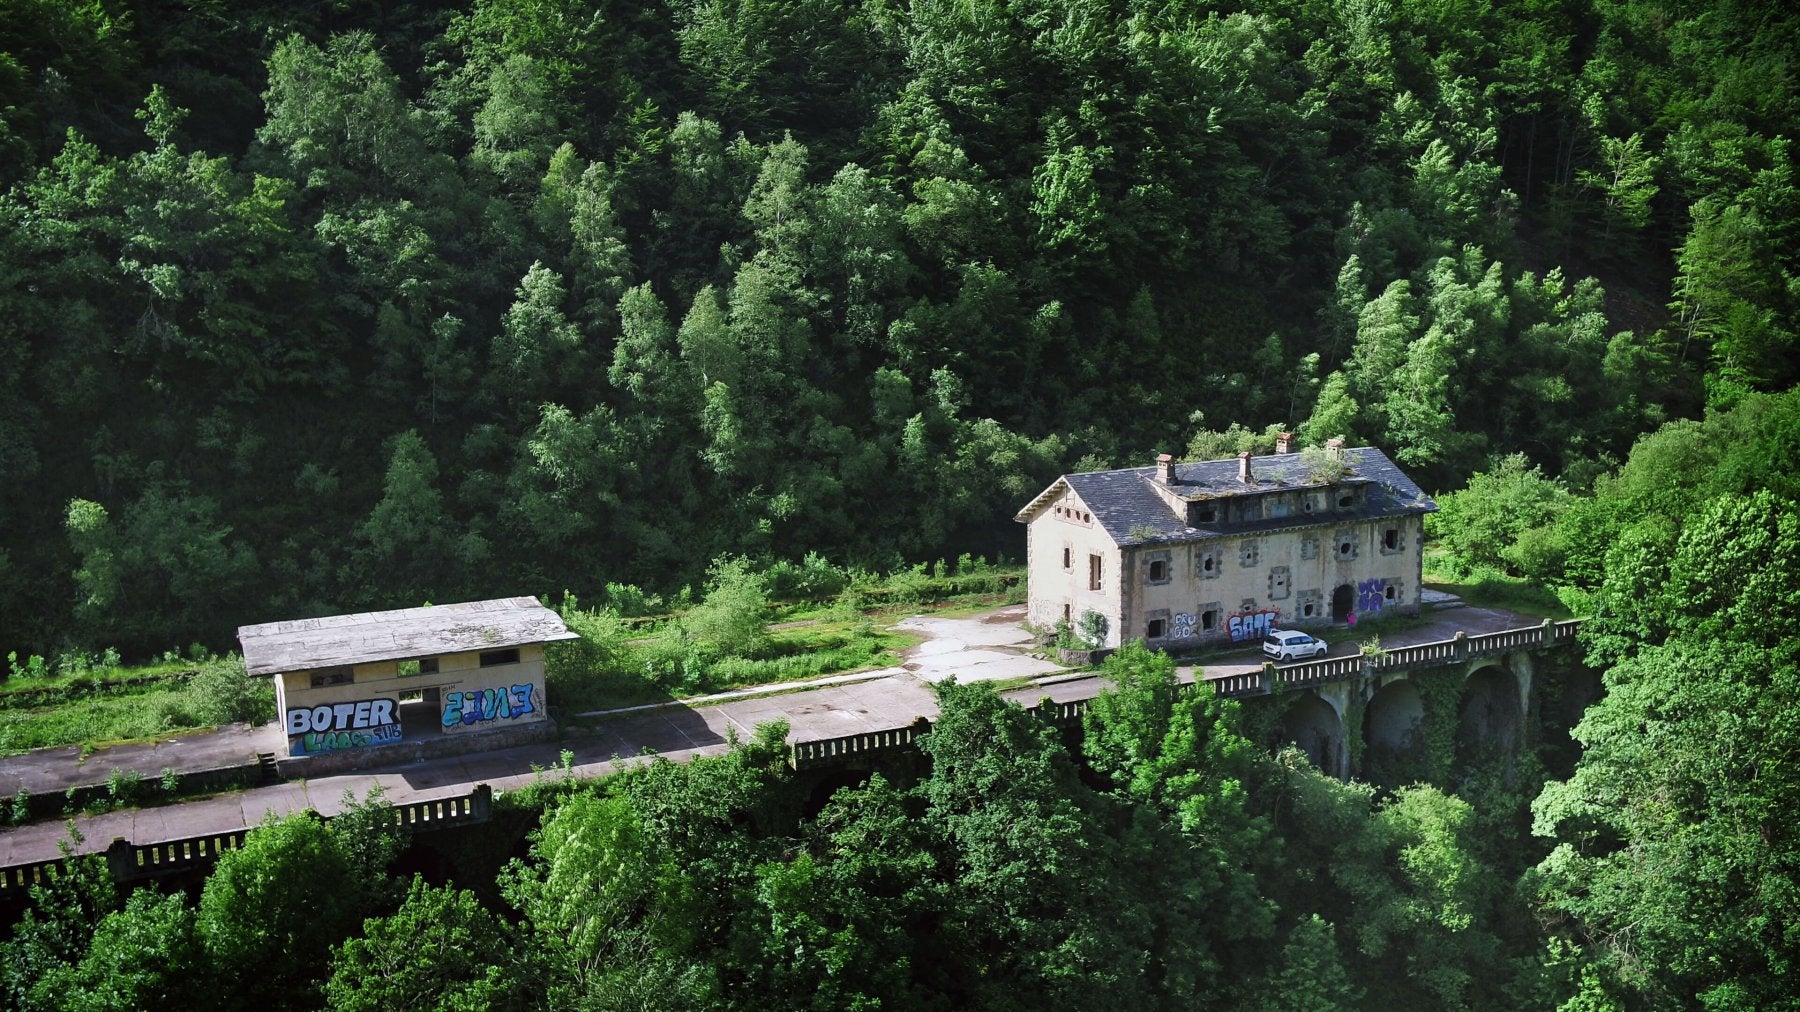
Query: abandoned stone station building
[(1224, 550), (410, 683)]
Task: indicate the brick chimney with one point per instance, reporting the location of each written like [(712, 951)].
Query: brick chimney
[(1334, 443), (1244, 474), (1165, 468), (1284, 443)]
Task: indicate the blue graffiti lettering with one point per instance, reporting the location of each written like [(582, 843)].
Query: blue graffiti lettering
[(1369, 595), (1251, 625), (499, 703), (1183, 624)]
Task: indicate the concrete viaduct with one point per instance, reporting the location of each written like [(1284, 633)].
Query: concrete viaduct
[(1333, 700)]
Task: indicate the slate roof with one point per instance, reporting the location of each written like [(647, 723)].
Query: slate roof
[(1123, 501), (308, 644)]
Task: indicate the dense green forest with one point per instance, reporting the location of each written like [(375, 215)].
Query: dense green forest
[(307, 308)]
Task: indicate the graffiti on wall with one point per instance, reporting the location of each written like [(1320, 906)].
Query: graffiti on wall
[(1369, 594), (1251, 625), (498, 703), (329, 727), (1182, 625), (315, 742)]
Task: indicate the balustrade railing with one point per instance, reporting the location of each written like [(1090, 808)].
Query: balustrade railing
[(131, 861)]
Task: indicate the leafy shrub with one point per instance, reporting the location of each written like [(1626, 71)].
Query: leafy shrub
[(812, 578), (122, 786), (223, 693), (1092, 627), (34, 668), (734, 616), (629, 600)]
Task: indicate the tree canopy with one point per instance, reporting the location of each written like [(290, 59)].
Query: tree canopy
[(364, 307)]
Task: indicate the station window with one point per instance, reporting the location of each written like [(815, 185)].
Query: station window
[(495, 658), (1208, 563), (343, 674), (1156, 569), (1249, 552)]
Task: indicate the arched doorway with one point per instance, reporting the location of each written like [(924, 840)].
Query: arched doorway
[(1313, 724), (1342, 600)]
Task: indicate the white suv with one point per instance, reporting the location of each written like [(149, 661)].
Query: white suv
[(1288, 645)]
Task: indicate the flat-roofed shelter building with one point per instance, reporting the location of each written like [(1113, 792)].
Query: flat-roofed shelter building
[(449, 678)]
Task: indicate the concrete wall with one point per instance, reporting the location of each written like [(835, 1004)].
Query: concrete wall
[(365, 711), (1268, 580), (1054, 591)]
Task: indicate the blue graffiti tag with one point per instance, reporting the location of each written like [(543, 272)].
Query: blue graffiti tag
[(1369, 595), (498, 703), (1251, 624), (1183, 624)]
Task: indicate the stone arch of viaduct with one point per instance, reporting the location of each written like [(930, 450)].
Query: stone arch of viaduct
[(1388, 710)]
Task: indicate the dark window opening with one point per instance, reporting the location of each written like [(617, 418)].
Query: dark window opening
[(495, 658), (341, 675), (1309, 610), (1159, 571), (1157, 628), (1208, 564), (1068, 557), (428, 665), (1207, 516), (1346, 549), (1390, 538), (1393, 592), (1209, 619), (1346, 501)]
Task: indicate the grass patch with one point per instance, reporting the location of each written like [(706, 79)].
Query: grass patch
[(635, 661), (219, 692), (1487, 588)]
